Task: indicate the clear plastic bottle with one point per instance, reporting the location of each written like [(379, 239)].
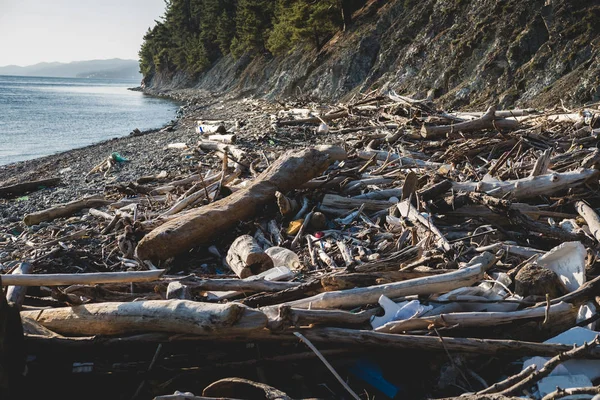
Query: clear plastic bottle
[(283, 257)]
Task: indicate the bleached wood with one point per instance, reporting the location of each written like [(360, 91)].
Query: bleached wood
[(590, 216), (335, 201), (246, 257), (487, 121), (476, 319), (427, 285), (64, 210), (408, 211), (175, 316), (89, 279), (529, 187), (405, 161)]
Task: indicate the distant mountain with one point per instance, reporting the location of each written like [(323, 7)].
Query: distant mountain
[(115, 68)]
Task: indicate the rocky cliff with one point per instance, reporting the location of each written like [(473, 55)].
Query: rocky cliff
[(458, 52)]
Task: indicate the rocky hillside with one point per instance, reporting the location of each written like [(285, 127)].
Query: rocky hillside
[(458, 52)]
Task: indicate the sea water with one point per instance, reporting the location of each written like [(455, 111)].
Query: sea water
[(43, 116)]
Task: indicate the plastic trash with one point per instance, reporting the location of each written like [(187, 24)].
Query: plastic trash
[(118, 158), (397, 311), (568, 262), (210, 128), (550, 383), (273, 274), (323, 128), (371, 373), (294, 226), (283, 257), (576, 336)]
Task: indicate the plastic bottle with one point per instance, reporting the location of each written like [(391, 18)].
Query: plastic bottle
[(283, 257)]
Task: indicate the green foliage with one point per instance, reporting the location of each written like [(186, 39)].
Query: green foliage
[(193, 34), (304, 21)]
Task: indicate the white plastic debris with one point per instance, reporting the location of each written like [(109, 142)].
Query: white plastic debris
[(283, 257), (550, 383), (397, 311), (323, 128), (568, 262), (574, 337), (273, 274), (585, 312)]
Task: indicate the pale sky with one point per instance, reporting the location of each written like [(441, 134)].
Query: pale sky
[(33, 31)]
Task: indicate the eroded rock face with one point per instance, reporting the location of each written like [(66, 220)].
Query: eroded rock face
[(533, 280), (458, 52)]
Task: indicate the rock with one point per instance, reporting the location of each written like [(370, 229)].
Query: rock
[(318, 221), (533, 280)]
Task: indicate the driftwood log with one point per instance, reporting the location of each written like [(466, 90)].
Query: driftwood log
[(64, 210), (200, 226), (488, 120), (175, 316), (427, 285), (590, 216), (26, 187), (529, 187), (246, 257), (83, 279)]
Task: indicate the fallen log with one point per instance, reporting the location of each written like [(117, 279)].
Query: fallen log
[(528, 187), (26, 187), (427, 285), (487, 121), (87, 279), (200, 226), (64, 210), (175, 316)]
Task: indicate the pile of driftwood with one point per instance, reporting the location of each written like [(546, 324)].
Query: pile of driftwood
[(456, 234)]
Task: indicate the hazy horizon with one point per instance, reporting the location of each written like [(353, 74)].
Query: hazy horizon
[(69, 62), (36, 31)]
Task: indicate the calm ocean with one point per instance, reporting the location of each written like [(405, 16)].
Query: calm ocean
[(42, 116)]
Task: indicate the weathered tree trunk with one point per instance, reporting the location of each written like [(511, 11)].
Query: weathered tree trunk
[(175, 316), (202, 225), (64, 210), (246, 257)]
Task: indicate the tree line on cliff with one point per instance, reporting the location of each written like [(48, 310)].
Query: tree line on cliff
[(192, 34)]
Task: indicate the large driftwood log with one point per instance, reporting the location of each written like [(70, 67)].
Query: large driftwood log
[(25, 187), (427, 285), (200, 226), (529, 187), (246, 257), (64, 210), (175, 316), (487, 121), (83, 279)]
